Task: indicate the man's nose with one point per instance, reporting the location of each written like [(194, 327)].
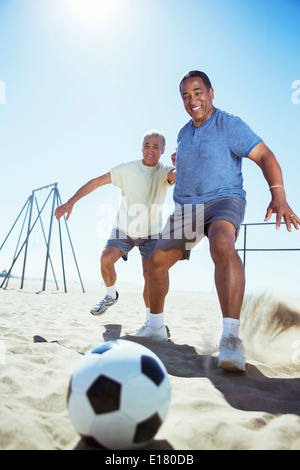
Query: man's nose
[(193, 100)]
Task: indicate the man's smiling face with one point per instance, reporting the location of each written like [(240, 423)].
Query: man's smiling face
[(152, 150), (197, 100)]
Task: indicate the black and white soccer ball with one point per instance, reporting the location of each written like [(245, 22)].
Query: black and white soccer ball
[(119, 394)]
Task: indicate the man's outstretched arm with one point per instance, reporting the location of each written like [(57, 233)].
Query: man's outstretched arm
[(83, 191), (270, 167)]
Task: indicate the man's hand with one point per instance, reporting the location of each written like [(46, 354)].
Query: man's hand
[(173, 157), (280, 207), (64, 209)]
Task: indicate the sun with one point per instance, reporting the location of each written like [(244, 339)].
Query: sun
[(93, 12)]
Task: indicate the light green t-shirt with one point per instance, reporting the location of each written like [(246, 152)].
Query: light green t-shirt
[(144, 190)]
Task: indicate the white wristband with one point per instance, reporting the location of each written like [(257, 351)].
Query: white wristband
[(277, 186)]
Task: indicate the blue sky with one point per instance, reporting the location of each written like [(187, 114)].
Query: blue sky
[(81, 81)]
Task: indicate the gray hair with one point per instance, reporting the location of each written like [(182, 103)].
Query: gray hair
[(154, 133)]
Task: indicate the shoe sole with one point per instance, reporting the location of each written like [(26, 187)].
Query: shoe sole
[(150, 338), (98, 314), (154, 338), (232, 366)]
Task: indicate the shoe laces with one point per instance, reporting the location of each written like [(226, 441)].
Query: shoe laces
[(107, 298)]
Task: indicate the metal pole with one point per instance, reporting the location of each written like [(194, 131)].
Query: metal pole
[(44, 236), (29, 203), (15, 222), (49, 239), (26, 245), (45, 187), (72, 246), (60, 241), (18, 242), (245, 245)]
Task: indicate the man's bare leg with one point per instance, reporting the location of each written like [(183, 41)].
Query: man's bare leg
[(230, 284), (229, 270), (158, 276), (158, 285), (109, 257), (145, 263)]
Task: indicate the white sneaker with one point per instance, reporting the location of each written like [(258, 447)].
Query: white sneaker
[(162, 334), (232, 354), (103, 305)]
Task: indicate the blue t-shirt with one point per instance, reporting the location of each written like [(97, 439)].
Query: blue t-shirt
[(209, 159)]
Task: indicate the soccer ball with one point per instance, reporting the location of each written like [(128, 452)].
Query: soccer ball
[(119, 394)]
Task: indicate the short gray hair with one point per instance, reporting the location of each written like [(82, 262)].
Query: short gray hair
[(154, 133)]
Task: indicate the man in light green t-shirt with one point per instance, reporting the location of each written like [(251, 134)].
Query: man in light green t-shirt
[(144, 185)]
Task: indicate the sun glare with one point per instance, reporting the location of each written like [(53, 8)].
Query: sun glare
[(93, 12)]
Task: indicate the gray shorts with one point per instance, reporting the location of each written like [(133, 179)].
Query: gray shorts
[(121, 240), (187, 226)]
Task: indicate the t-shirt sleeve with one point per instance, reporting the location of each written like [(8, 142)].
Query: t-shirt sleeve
[(116, 174), (241, 138), (167, 169)]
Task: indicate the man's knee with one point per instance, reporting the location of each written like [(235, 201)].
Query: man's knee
[(161, 261), (222, 238), (155, 262), (109, 256)]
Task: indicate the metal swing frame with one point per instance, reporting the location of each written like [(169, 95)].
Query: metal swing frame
[(31, 201)]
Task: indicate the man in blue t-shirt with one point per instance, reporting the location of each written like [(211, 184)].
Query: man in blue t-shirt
[(210, 200)]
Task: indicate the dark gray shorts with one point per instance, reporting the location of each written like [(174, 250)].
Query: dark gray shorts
[(121, 240), (187, 226)]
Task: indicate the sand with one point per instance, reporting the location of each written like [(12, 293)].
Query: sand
[(44, 334)]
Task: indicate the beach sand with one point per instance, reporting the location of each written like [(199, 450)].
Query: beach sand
[(44, 334)]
